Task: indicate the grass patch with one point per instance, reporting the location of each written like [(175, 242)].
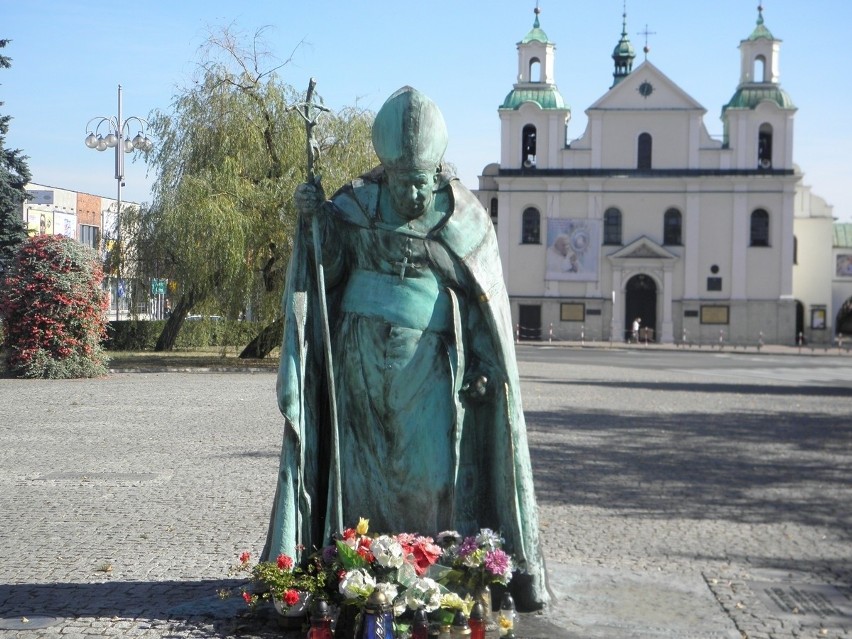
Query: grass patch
[(203, 358)]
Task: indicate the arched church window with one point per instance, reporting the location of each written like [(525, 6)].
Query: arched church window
[(493, 211), (643, 161), (528, 146), (759, 71), (759, 228), (672, 227), (531, 226), (535, 70), (612, 226), (764, 146)]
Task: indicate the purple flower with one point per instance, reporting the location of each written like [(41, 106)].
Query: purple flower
[(329, 554), (467, 547)]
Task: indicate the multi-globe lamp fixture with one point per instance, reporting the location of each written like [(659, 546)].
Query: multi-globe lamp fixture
[(117, 136)]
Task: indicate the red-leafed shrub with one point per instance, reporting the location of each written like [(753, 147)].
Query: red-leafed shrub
[(53, 310)]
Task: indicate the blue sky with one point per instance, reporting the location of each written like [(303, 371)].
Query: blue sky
[(70, 56)]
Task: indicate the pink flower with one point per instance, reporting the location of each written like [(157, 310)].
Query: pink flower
[(244, 557), (497, 562)]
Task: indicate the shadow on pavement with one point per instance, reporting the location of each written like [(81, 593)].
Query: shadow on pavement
[(741, 467), (692, 387), (166, 605), (192, 608)]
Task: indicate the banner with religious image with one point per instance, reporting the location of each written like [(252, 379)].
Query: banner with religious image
[(573, 249)]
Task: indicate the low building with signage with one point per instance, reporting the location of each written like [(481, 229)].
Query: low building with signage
[(89, 219)]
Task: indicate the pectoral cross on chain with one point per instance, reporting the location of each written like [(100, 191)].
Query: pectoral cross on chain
[(404, 263)]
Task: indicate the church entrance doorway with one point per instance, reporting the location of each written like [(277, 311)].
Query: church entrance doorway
[(641, 301), (529, 322)]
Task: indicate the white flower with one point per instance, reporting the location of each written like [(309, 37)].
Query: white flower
[(389, 590), (423, 592), (387, 551), (357, 583), (488, 539)]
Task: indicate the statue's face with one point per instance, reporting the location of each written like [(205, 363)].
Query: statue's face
[(411, 191)]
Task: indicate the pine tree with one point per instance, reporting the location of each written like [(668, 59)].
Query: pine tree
[(14, 174)]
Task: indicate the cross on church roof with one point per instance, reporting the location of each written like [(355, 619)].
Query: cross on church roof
[(646, 33)]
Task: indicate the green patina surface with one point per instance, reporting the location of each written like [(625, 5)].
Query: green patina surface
[(429, 432), (547, 97), (536, 34), (749, 96)]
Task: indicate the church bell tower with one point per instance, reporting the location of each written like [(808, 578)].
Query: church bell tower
[(534, 117)]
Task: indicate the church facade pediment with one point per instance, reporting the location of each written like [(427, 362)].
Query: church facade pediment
[(643, 248), (646, 88)]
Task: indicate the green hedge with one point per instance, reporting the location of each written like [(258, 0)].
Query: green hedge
[(141, 335)]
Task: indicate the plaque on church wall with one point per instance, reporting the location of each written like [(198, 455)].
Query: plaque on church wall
[(573, 247), (572, 312), (818, 318), (714, 314)]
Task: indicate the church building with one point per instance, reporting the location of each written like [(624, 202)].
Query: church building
[(647, 217)]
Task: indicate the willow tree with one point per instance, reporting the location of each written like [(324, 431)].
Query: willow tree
[(228, 159)]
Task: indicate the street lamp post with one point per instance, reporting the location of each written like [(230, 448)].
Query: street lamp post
[(118, 137)]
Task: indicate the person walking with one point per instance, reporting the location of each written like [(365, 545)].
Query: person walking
[(635, 334)]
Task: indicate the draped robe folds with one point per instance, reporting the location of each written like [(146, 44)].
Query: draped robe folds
[(413, 316)]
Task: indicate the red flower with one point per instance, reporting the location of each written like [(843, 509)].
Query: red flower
[(291, 597), (284, 562), (247, 597), (349, 533), (363, 548), (244, 557), (423, 549)]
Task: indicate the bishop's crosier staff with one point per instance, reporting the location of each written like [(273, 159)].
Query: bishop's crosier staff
[(308, 111)]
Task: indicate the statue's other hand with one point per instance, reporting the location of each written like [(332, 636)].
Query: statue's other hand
[(309, 198), (476, 387)]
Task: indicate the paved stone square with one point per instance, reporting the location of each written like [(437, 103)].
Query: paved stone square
[(672, 504)]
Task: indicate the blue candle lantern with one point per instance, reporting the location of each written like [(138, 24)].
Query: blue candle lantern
[(377, 618)]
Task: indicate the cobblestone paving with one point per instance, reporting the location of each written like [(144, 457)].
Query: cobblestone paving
[(125, 500)]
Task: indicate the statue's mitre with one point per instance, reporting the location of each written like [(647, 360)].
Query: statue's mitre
[(409, 132)]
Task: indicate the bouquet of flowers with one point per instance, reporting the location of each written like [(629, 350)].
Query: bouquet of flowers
[(474, 562), (396, 565), (280, 581)]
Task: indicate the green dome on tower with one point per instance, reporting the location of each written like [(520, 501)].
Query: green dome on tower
[(750, 95), (623, 54), (536, 34), (546, 97), (760, 31)]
